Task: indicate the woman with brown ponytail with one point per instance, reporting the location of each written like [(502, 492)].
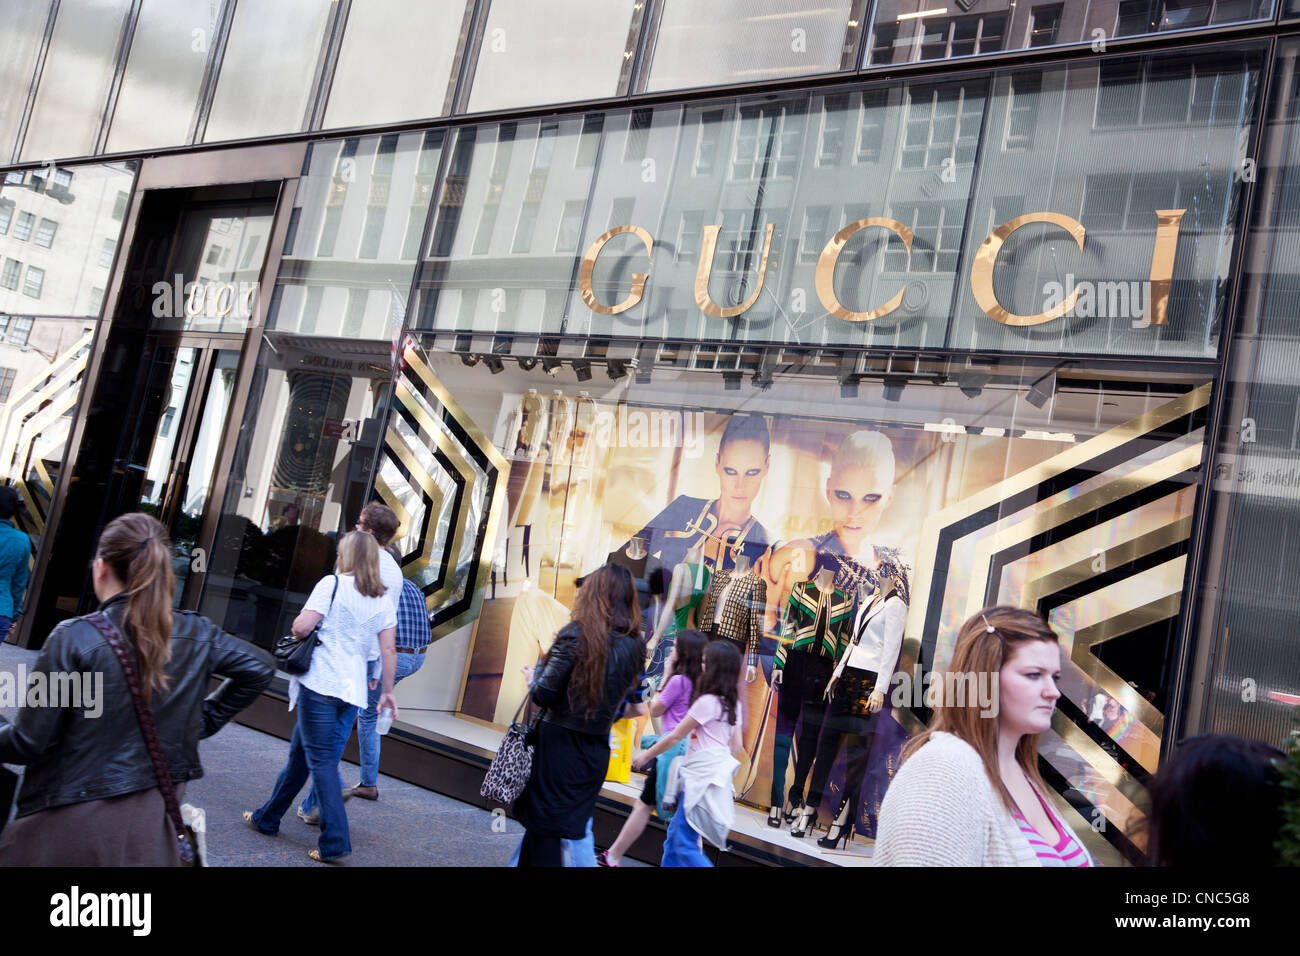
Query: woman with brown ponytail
[(90, 795)]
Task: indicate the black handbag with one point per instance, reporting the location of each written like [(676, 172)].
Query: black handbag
[(293, 654)]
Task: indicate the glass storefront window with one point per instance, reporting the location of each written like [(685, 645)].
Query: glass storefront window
[(740, 41), (74, 82), (20, 45), (908, 31), (417, 45), (323, 382), (999, 482), (555, 52), (275, 47), (164, 73), (54, 231)]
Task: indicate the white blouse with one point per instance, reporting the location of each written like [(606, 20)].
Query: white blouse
[(349, 634)]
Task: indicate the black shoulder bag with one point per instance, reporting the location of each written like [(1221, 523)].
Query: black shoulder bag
[(293, 654)]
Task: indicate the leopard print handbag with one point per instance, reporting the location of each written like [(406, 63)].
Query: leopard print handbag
[(513, 763)]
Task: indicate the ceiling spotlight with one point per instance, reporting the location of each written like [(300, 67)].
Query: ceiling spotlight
[(762, 378), (551, 365), (615, 369), (582, 369), (1041, 392), (493, 363), (528, 364), (894, 385), (468, 358), (731, 381), (971, 381)]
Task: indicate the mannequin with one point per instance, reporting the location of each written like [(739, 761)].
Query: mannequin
[(855, 695), (732, 609), (690, 582), (815, 630)]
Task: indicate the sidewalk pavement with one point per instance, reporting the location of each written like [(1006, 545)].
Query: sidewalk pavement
[(407, 826)]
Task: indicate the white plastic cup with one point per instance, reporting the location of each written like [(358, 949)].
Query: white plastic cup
[(385, 722)]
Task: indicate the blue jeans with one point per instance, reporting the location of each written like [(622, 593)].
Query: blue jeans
[(5, 624), (367, 729), (574, 852), (682, 845), (313, 752)]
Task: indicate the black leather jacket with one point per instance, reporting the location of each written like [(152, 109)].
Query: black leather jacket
[(72, 757), (623, 665)]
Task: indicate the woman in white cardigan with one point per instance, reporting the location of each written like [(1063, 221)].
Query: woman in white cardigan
[(969, 792)]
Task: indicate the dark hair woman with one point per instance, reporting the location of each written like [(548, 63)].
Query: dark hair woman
[(682, 674), (715, 725), (90, 795), (590, 670), (1217, 803)]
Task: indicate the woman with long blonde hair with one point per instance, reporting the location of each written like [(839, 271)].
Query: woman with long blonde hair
[(969, 792), (92, 794), (357, 625)]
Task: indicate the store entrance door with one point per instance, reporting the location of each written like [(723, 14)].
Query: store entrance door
[(158, 424), (188, 390)]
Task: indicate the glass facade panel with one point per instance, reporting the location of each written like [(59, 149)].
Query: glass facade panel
[(350, 252), (164, 73), (907, 31), (1109, 146), (273, 46), (739, 41), (60, 228), (724, 195), (20, 45), (43, 362), (75, 79), (416, 43), (1250, 618), (553, 52), (323, 382)]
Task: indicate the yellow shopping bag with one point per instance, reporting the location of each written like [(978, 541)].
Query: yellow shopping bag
[(620, 751)]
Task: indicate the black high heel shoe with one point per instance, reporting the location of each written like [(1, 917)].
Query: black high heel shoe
[(774, 817), (840, 829)]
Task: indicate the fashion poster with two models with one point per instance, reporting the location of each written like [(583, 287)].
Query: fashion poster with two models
[(794, 538)]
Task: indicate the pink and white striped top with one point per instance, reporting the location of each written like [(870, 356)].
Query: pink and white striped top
[(1065, 852)]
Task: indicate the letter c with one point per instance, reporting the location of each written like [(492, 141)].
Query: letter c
[(589, 266), (981, 274), (824, 277)]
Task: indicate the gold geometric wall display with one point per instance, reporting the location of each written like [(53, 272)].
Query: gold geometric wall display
[(34, 427), (445, 481), (1096, 540)]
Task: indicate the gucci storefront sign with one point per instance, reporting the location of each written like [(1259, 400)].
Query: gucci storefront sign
[(1168, 222)]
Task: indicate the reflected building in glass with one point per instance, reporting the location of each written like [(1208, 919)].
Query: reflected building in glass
[(657, 282)]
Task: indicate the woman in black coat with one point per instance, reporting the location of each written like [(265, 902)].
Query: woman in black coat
[(591, 669)]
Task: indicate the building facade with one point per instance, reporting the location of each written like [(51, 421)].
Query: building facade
[(513, 268)]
